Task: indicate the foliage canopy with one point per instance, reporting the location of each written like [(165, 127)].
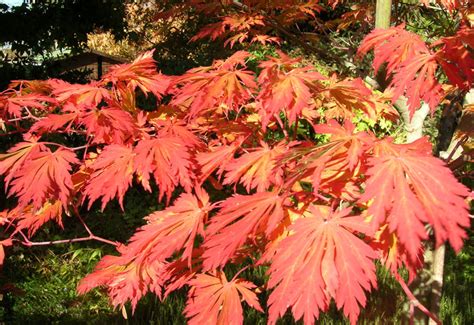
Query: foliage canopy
[(317, 212)]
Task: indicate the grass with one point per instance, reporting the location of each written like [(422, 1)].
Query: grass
[(46, 294)]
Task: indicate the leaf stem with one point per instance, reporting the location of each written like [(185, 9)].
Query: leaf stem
[(238, 273), (295, 135)]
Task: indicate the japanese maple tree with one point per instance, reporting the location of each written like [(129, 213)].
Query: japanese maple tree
[(316, 212)]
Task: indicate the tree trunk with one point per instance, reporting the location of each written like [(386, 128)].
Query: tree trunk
[(437, 268), (437, 274), (383, 12), (414, 125)]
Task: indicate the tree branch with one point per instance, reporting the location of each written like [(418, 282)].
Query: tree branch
[(91, 235), (293, 37), (414, 124), (414, 301), (29, 243)]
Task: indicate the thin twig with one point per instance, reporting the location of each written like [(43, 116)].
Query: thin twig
[(91, 234), (294, 38), (414, 300), (31, 114), (79, 148), (83, 223), (22, 118), (56, 242), (295, 135), (456, 147), (282, 125)]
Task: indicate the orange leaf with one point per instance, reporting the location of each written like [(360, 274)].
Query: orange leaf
[(91, 94), (172, 229), (285, 88), (320, 260), (240, 217), (410, 188), (205, 89), (14, 104), (109, 125), (32, 219), (112, 175), (49, 172), (409, 60), (216, 158), (17, 156), (140, 73), (214, 300), (142, 266), (169, 160), (256, 168)]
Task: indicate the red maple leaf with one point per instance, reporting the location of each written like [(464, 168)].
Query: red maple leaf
[(172, 229), (394, 255), (32, 219), (285, 88), (43, 87), (409, 60), (408, 188), (142, 264), (354, 143), (237, 28), (140, 73), (343, 98), (265, 39), (168, 159), (109, 125), (214, 300), (14, 104), (178, 273), (456, 57), (125, 280), (320, 260), (112, 175), (213, 31), (256, 169), (416, 79), (332, 165), (67, 118), (222, 84), (14, 160), (91, 94), (240, 218), (178, 129), (50, 174), (54, 122), (215, 159)]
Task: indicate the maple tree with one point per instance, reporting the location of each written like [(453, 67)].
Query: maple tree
[(316, 212)]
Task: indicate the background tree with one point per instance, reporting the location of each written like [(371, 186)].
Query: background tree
[(38, 32)]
